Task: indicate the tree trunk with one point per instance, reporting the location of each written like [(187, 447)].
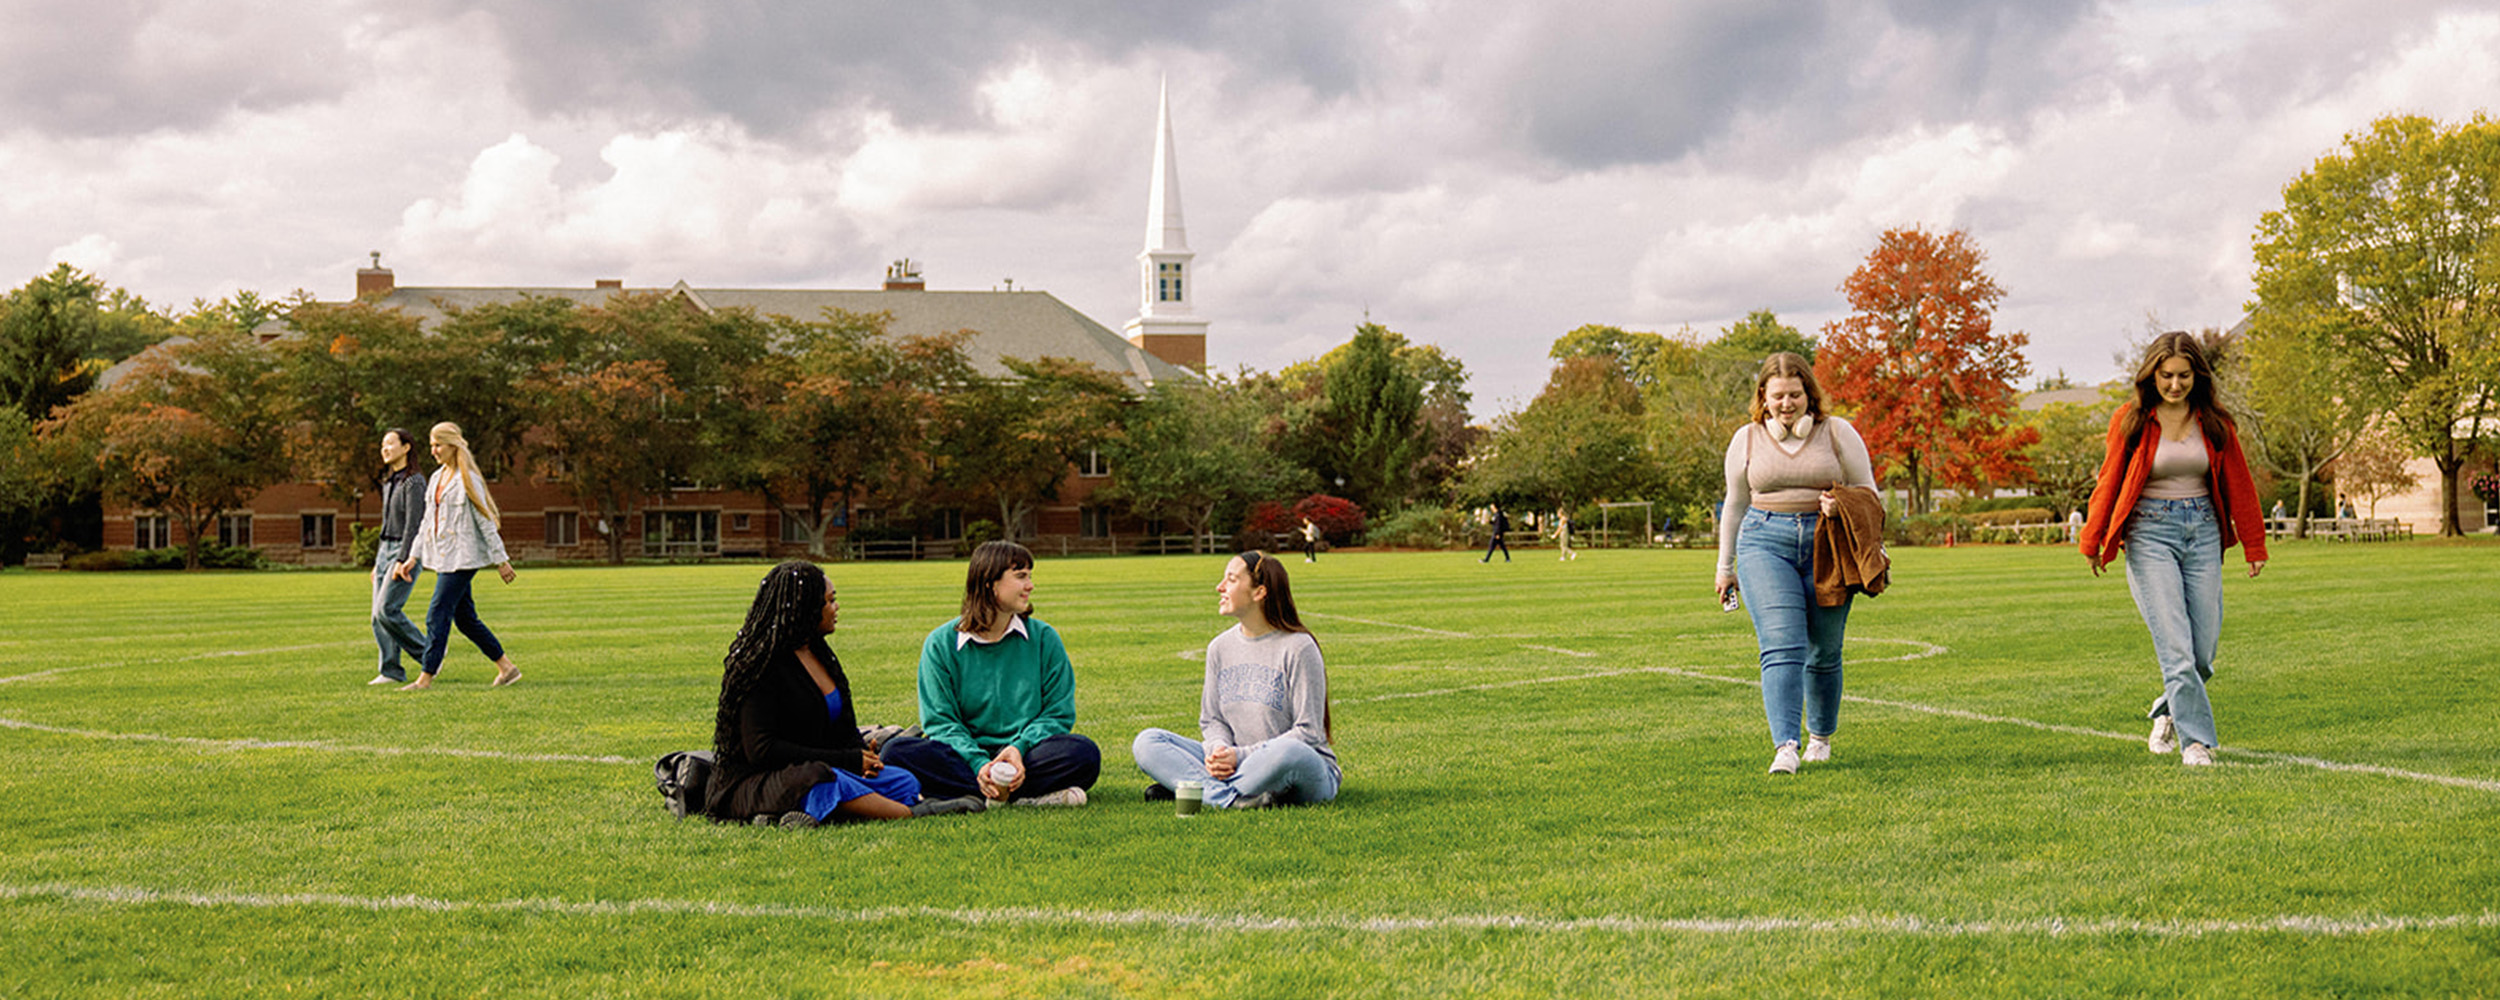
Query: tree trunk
[(2300, 520), (2450, 525), (615, 520)]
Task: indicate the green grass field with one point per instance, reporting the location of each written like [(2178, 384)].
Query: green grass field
[(1554, 787)]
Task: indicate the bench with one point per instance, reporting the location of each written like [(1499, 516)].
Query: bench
[(43, 560)]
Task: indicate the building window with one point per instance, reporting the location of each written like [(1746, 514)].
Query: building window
[(321, 531), (681, 533), (1168, 282), (946, 524), (739, 523), (234, 531), (1094, 522), (564, 527), (793, 529), (151, 531), (1093, 465)]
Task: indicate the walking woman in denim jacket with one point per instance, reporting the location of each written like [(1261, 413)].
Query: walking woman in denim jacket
[(458, 537), (1781, 468), (2174, 491)]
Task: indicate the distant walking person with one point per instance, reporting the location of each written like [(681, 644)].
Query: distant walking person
[(458, 537), (1263, 711), (1562, 535), (1310, 541), (1501, 526), (1782, 468), (403, 511), (2174, 491)]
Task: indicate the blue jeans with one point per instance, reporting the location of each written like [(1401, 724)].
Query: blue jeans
[(2174, 569), (453, 607), (1285, 765), (1068, 760), (392, 631), (1800, 642)]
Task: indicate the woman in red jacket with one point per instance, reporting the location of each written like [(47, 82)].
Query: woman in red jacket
[(2174, 490)]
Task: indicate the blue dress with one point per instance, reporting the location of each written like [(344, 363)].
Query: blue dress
[(891, 782)]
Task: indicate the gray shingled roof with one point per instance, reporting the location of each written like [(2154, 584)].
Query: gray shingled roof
[(1020, 324)]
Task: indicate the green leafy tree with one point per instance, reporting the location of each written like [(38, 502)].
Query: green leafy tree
[(1579, 441), (1643, 358), (2306, 406), (634, 396), (1188, 451), (1370, 423), (1011, 442), (341, 372), (59, 331), (2067, 457), (1759, 335), (193, 429), (608, 437), (2392, 243), (848, 414), (21, 479)]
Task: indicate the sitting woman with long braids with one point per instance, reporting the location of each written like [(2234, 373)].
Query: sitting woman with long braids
[(787, 732)]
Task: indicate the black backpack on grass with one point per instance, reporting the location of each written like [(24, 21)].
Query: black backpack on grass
[(682, 777)]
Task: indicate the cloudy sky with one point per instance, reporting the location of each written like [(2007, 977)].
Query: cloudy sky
[(1477, 174)]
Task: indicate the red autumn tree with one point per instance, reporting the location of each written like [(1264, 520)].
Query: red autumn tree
[(1919, 368)]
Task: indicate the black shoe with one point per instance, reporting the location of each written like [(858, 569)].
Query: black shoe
[(949, 807), (1157, 793), (1263, 800)]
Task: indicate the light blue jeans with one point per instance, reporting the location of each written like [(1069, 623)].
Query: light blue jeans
[(392, 631), (1284, 765), (2174, 569), (1800, 642)]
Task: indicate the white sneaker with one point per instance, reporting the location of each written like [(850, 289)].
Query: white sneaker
[(2165, 738), (1069, 796), (1818, 749), (1785, 761), (2197, 755), (383, 679)]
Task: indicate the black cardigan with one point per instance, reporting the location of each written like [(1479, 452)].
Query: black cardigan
[(787, 740)]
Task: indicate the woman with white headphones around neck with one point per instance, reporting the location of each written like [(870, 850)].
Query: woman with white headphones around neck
[(1781, 468)]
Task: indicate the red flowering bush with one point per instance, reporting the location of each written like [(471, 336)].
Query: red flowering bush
[(2487, 486), (1271, 517), (1337, 517)]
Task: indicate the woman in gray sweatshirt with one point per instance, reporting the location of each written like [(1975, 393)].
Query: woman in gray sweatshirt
[(1263, 710)]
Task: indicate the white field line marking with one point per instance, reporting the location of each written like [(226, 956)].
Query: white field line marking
[(2478, 784), (1382, 624), (246, 744), (2294, 924), (1558, 649), (211, 655)]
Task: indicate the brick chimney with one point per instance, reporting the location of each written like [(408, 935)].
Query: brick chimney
[(375, 281), (904, 276)]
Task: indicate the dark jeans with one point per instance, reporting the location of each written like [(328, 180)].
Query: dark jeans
[(453, 607), (1497, 542), (1064, 761)]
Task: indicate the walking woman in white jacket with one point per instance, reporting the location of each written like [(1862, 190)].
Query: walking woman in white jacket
[(457, 538)]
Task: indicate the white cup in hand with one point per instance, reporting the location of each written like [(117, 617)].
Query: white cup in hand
[(1003, 774)]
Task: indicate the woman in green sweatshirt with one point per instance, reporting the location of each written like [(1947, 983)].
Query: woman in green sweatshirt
[(998, 697)]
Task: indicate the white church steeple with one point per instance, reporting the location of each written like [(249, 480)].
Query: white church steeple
[(1167, 326)]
